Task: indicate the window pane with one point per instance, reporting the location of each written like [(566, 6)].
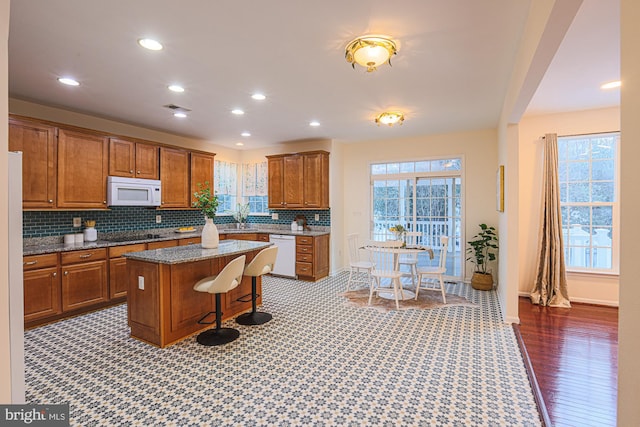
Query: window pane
[(602, 215), (578, 171), (602, 191), (378, 169), (603, 148), (579, 216), (406, 167), (578, 192), (393, 168), (422, 167), (562, 171), (602, 170), (579, 149)]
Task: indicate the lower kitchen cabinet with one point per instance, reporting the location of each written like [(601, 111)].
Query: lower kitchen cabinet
[(312, 257), (41, 287), (118, 269), (84, 279)]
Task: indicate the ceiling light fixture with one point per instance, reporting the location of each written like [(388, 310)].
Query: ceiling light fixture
[(68, 81), (237, 112), (390, 118), (370, 51), (239, 144), (175, 88), (245, 134), (180, 114), (314, 123), (150, 44), (611, 85), (258, 97)]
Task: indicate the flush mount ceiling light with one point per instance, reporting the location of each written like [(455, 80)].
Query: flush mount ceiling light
[(259, 96), (239, 144), (237, 112), (180, 114), (150, 44), (175, 88), (68, 81), (370, 51), (314, 123), (245, 134), (611, 85), (390, 118)]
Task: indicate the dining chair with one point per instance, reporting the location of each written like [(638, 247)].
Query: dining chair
[(359, 269), (383, 256), (433, 274), (412, 239)]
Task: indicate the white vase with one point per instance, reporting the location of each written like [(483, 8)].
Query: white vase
[(210, 237)]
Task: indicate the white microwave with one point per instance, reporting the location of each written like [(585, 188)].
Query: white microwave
[(132, 191)]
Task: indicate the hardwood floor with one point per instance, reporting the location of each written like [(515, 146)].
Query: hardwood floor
[(574, 356)]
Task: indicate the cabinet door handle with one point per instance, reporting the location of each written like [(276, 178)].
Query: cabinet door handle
[(138, 171), (55, 274), (66, 273), (50, 200), (31, 262), (104, 202), (131, 171), (85, 255)]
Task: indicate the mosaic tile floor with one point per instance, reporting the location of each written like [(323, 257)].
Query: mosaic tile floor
[(318, 362)]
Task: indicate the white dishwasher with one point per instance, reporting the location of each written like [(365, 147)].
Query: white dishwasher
[(286, 260)]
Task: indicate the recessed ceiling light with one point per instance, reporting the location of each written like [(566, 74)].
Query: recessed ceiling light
[(245, 134), (237, 112), (611, 85), (150, 44), (258, 96), (239, 144), (176, 88), (314, 123), (180, 115), (68, 81)]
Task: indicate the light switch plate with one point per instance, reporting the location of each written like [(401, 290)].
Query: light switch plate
[(274, 215), (77, 222), (141, 283), (317, 217), (158, 219)]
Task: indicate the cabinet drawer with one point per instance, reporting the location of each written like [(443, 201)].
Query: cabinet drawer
[(263, 237), (304, 258), (32, 262), (118, 251), (162, 244), (304, 240), (190, 241), (304, 249), (83, 256), (304, 268)]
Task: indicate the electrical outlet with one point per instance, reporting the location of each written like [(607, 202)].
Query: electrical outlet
[(77, 222), (141, 283), (274, 215), (317, 217), (158, 219)]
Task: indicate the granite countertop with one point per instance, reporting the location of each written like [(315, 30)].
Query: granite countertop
[(43, 245), (192, 253)]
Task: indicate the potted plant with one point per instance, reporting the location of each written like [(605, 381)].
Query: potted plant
[(241, 214), (208, 204), (481, 250)]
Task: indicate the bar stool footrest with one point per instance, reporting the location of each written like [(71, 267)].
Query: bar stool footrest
[(253, 318), (212, 337)]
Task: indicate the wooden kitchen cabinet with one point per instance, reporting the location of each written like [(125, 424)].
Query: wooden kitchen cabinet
[(84, 278), (83, 164), (190, 241), (174, 175), (312, 257), (201, 172), (118, 277), (162, 244), (133, 159), (41, 287), (37, 142), (299, 181)]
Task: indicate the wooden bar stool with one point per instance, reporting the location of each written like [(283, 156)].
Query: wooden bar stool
[(260, 265), (228, 279)]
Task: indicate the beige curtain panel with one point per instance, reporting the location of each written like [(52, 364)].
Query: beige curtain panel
[(550, 286)]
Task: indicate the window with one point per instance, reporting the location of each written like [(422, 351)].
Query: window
[(226, 185), (254, 187), (422, 196), (588, 177)]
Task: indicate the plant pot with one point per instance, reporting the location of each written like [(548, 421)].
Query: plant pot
[(210, 236), (482, 281)]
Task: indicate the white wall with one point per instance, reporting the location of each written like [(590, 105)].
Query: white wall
[(5, 362), (600, 289), (477, 148), (629, 315)]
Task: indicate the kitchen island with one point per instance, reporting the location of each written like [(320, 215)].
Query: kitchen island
[(163, 308)]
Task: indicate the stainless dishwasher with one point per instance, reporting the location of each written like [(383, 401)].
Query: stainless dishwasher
[(286, 260)]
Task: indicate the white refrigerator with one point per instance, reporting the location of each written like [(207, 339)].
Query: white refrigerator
[(16, 292)]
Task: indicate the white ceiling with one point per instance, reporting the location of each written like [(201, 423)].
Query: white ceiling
[(451, 72)]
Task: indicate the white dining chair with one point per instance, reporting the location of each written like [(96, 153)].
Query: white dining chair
[(359, 269), (433, 274), (385, 270), (412, 239)]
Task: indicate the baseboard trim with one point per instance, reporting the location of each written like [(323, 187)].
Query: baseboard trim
[(537, 393), (582, 300)]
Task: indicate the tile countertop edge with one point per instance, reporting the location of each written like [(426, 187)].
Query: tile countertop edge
[(193, 253), (39, 249)]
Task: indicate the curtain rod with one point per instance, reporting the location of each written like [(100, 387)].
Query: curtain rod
[(584, 134)]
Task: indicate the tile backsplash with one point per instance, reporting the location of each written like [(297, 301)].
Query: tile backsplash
[(58, 223)]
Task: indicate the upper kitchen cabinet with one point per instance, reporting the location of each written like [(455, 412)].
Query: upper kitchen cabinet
[(299, 181), (174, 175), (39, 156), (133, 159), (83, 163), (201, 171)]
